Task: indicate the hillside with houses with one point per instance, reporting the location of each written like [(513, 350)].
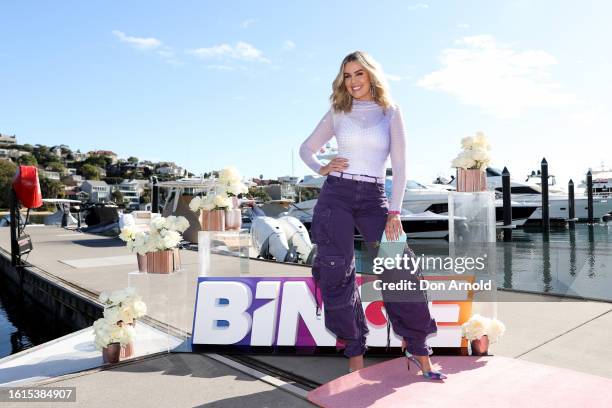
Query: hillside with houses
[(96, 176)]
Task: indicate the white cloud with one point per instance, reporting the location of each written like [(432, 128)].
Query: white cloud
[(137, 42), (241, 51), (496, 78), (418, 6), (248, 22), (288, 45)]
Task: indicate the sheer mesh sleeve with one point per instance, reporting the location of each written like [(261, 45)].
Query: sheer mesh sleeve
[(398, 159), (322, 133)]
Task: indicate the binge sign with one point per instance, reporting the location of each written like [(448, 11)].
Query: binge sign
[(281, 312)]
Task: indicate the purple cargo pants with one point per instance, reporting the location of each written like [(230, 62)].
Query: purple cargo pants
[(343, 205)]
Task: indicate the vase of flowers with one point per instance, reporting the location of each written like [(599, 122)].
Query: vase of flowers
[(482, 331), (219, 208), (158, 247), (472, 162), (114, 332), (111, 353)]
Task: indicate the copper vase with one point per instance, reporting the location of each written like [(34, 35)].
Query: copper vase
[(233, 219), (111, 353), (142, 262), (127, 351), (471, 180), (480, 347), (166, 261), (213, 220)]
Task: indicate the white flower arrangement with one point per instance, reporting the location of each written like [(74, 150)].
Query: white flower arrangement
[(475, 153), (479, 326), (121, 307), (164, 233), (228, 184)]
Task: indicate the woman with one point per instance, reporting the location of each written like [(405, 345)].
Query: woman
[(368, 128)]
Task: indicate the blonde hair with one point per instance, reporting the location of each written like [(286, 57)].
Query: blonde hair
[(342, 101)]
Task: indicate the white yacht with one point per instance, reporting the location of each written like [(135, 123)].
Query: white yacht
[(424, 209), (531, 193), (602, 182)]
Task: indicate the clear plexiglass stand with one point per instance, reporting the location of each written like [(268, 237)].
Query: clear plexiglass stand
[(471, 235), (224, 253)]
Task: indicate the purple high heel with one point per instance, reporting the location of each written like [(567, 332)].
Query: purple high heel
[(430, 375)]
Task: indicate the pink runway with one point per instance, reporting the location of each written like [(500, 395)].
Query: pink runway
[(472, 382)]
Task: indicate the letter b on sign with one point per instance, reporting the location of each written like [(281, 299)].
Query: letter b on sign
[(222, 312)]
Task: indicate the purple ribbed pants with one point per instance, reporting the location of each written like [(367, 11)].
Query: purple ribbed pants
[(343, 205)]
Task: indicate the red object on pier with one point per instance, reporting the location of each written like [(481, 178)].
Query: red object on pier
[(27, 187)]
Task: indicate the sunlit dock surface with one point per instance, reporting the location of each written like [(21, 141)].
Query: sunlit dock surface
[(565, 333)]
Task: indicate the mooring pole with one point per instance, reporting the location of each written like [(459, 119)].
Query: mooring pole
[(571, 205), (544, 184), (155, 196), (507, 197), (14, 213), (590, 197)]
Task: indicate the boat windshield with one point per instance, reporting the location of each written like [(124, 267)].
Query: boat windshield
[(493, 172)]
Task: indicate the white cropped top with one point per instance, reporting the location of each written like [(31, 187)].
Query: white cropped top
[(366, 136)]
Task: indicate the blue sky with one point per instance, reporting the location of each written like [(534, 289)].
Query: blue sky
[(209, 84)]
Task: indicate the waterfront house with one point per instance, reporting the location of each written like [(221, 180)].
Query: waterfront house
[(6, 140), (53, 175), (98, 191), (131, 190)]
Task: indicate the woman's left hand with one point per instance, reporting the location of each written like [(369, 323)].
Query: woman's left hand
[(393, 229)]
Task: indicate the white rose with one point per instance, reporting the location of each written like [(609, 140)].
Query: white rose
[(111, 314), (158, 223), (229, 174), (127, 233), (480, 154), (480, 140), (496, 330), (208, 203), (181, 224), (475, 328), (467, 142), (126, 314), (140, 308), (222, 201), (236, 188), (195, 204)]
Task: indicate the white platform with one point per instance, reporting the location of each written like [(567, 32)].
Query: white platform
[(72, 353)]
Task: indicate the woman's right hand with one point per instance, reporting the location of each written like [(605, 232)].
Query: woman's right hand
[(337, 164)]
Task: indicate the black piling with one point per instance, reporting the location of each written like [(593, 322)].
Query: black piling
[(154, 196), (571, 205), (590, 198), (544, 184), (14, 211), (507, 205)]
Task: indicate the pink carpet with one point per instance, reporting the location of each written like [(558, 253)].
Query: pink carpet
[(472, 382)]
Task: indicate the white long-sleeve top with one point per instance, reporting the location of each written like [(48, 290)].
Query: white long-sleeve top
[(366, 136)]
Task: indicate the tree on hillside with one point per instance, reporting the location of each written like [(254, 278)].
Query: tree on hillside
[(27, 160), (7, 172), (56, 166), (133, 160), (51, 188), (117, 197), (90, 172), (99, 160)]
